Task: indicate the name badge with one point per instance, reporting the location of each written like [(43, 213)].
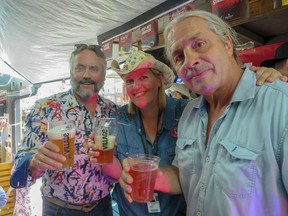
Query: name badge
[(154, 205)]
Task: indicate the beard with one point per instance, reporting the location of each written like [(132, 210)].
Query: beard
[(84, 94)]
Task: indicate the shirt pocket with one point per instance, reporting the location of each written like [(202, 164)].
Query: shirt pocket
[(167, 155), (235, 169), (187, 156), (122, 151)]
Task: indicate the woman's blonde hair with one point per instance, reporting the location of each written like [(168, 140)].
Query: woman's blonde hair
[(161, 96)]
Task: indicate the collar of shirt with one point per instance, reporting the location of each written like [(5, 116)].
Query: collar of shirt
[(245, 89)]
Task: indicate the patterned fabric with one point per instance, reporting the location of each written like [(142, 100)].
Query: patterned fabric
[(84, 182), (23, 205), (23, 202)]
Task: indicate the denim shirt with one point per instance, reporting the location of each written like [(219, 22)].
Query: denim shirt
[(129, 142), (243, 170), (84, 182)]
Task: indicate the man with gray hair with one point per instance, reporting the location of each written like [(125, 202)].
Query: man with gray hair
[(232, 148), (83, 189)]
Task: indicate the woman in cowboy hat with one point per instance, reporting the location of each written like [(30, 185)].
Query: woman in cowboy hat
[(148, 124)]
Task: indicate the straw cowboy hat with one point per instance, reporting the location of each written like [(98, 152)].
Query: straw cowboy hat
[(139, 60)]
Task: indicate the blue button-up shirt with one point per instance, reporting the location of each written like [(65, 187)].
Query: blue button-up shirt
[(129, 142), (244, 169)]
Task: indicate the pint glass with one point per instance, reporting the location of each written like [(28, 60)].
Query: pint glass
[(62, 134), (105, 131), (143, 169)]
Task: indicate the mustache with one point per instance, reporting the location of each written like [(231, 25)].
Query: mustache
[(195, 70), (87, 81)]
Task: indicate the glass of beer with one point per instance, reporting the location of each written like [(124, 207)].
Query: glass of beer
[(143, 169), (105, 131), (62, 134)]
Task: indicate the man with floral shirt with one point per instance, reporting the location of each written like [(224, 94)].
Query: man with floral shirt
[(83, 189)]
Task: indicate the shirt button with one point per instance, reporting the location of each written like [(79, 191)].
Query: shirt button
[(202, 186), (198, 213), (207, 159)]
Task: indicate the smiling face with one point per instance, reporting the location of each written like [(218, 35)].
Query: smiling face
[(88, 75), (143, 87), (199, 57)]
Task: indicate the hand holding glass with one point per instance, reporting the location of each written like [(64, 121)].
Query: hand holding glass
[(143, 169), (105, 136), (62, 134)]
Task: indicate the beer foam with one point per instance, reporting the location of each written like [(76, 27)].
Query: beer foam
[(110, 141), (56, 132)]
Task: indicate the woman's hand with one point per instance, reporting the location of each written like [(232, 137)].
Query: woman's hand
[(93, 149), (264, 74), (126, 180), (112, 169)]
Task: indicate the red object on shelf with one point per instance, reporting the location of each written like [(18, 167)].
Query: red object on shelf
[(258, 54)]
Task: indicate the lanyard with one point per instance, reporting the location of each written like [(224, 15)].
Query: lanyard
[(143, 136)]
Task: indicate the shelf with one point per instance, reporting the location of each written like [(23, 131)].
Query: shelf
[(264, 25), (270, 27)]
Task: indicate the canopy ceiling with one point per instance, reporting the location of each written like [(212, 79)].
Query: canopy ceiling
[(37, 36)]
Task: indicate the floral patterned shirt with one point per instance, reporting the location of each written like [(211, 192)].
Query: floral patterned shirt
[(23, 202), (85, 182)]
